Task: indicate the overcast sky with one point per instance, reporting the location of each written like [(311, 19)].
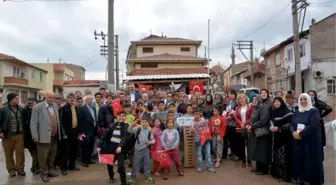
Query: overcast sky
[(36, 31)]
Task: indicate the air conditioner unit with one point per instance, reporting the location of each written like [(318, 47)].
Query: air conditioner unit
[(318, 74)]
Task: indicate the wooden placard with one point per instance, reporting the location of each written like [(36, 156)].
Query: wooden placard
[(189, 148)]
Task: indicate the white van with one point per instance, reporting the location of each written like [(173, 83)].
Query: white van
[(247, 91)]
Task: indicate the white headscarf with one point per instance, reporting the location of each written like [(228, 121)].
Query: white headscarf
[(309, 103)]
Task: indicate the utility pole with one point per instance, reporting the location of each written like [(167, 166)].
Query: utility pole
[(117, 61), (111, 80), (209, 80), (247, 45), (297, 5), (103, 48)]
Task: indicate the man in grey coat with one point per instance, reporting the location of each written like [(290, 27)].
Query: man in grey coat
[(46, 131)]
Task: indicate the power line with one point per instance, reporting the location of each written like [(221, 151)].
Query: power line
[(325, 2), (258, 28)]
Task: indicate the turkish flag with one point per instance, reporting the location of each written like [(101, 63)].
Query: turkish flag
[(116, 106), (144, 87), (196, 87), (106, 159), (205, 135)]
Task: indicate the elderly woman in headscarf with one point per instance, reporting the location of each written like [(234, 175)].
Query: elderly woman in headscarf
[(307, 150), (219, 101), (260, 139), (281, 118), (324, 109)]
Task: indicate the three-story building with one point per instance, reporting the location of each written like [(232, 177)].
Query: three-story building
[(160, 61)]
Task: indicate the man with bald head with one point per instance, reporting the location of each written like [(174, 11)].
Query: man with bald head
[(87, 123), (46, 132)]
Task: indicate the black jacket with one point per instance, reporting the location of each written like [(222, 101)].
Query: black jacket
[(107, 146), (105, 116), (86, 124), (28, 141), (66, 120), (5, 114)]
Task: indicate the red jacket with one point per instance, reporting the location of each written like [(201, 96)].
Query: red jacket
[(238, 118), (217, 128)]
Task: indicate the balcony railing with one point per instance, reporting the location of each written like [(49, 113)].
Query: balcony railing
[(58, 82), (15, 80)]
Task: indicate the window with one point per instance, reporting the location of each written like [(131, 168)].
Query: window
[(147, 50), (41, 76), (331, 87), (302, 50), (277, 58), (185, 49), (16, 72), (268, 62), (290, 55), (33, 74), (149, 65)]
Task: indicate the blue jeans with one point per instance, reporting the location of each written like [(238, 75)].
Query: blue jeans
[(199, 158)]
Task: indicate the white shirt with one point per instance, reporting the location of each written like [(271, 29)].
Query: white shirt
[(92, 114), (243, 114), (50, 108), (132, 97)]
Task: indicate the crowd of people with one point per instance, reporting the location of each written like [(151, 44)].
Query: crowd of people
[(284, 135)]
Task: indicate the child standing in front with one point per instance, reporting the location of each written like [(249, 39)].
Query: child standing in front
[(157, 130), (217, 126), (170, 140), (144, 139), (113, 142), (200, 125)]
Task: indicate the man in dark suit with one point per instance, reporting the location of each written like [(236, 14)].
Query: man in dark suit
[(68, 146), (134, 95), (105, 115), (88, 129)]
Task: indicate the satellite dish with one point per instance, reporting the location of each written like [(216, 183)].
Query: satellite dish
[(262, 52)]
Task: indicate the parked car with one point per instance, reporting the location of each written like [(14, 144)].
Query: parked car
[(247, 91)]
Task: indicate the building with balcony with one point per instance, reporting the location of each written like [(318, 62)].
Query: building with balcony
[(79, 71), (317, 59), (17, 76), (57, 74), (160, 61)]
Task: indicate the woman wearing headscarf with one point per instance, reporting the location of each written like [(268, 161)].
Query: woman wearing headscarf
[(260, 141), (281, 118), (208, 107), (324, 109), (307, 147), (219, 101)]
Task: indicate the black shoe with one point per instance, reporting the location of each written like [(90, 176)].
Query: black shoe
[(12, 174), (85, 165), (92, 162), (22, 174), (64, 172), (52, 174), (261, 173), (73, 168), (45, 178), (111, 181), (254, 170)]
